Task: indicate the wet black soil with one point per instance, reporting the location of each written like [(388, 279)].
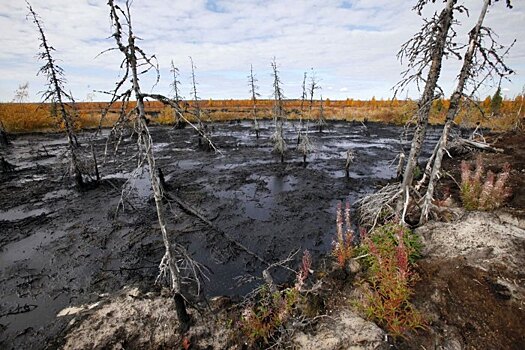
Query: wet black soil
[(60, 247)]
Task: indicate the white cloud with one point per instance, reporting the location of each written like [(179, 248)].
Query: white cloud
[(351, 44)]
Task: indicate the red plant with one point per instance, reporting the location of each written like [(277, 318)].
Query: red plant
[(390, 278), (186, 343), (305, 270), (402, 256)]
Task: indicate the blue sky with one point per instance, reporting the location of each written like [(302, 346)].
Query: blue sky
[(352, 45)]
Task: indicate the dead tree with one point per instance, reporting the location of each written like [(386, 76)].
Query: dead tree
[(519, 120), (314, 85), (22, 93), (58, 97), (321, 120), (426, 49), (4, 139), (255, 94), (179, 124), (350, 158), (304, 96), (278, 113), (197, 112), (305, 145), (176, 261), (472, 66)]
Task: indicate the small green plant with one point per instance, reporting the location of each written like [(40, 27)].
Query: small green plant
[(388, 235), (390, 249), (489, 194), (342, 248)]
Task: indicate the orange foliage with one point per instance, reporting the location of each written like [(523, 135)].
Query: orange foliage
[(21, 117)]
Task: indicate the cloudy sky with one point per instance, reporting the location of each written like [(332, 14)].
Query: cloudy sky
[(351, 45)]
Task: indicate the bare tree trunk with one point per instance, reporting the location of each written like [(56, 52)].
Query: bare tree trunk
[(4, 140), (179, 124), (446, 18), (455, 101), (278, 113), (322, 120), (202, 129), (303, 99), (518, 123), (255, 94), (145, 144), (57, 96)]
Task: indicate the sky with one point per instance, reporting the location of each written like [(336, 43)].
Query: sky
[(350, 44)]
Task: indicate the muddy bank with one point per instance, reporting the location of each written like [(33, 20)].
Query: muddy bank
[(63, 248)]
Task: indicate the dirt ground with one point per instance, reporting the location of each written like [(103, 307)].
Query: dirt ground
[(61, 248), (472, 281), (75, 275)]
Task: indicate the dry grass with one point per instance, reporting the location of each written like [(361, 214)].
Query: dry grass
[(24, 117)]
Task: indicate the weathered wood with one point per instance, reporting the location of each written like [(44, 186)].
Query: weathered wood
[(480, 145), (253, 90), (58, 97), (437, 52)]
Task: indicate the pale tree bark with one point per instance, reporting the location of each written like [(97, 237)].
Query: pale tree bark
[(304, 96), (197, 108), (322, 120), (518, 123), (278, 113), (467, 70), (437, 50), (305, 145), (133, 58), (253, 91), (175, 85)]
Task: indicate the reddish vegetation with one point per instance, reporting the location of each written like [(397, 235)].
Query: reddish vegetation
[(21, 117)]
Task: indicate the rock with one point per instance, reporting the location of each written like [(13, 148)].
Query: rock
[(344, 331), (354, 266)]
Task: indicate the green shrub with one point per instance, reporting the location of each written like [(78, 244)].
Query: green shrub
[(391, 250)]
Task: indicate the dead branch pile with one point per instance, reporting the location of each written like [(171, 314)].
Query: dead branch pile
[(377, 206)]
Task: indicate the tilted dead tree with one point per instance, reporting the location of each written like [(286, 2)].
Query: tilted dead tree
[(175, 84), (176, 265), (278, 113), (426, 49), (477, 59), (252, 80), (61, 101)]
